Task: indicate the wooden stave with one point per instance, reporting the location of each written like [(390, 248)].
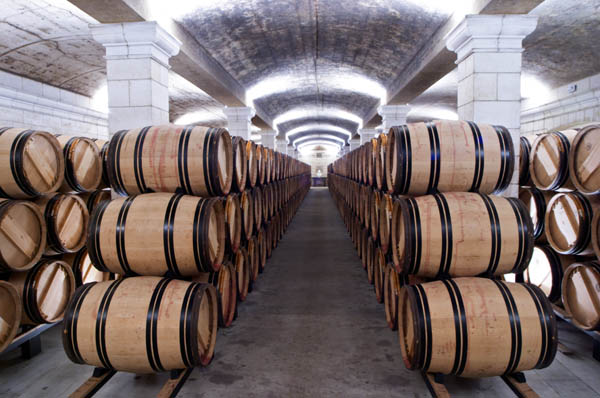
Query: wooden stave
[(242, 272), (26, 284), (518, 217), (5, 264), (188, 295), (379, 265), (562, 178), (94, 198), (165, 257), (201, 175), (49, 205), (574, 174), (253, 253), (257, 199), (77, 260), (558, 263), (477, 181), (541, 322), (524, 154), (380, 179), (240, 164), (71, 182), (540, 200), (247, 209), (103, 148), (18, 185), (233, 222), (591, 288), (10, 312), (225, 282)]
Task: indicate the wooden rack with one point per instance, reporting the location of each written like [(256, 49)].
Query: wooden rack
[(595, 335), (29, 340), (101, 376), (516, 382)]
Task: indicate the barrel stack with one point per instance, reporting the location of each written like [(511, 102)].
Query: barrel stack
[(559, 186), (183, 238), (421, 202)]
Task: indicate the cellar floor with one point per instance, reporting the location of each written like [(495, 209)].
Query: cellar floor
[(311, 328)]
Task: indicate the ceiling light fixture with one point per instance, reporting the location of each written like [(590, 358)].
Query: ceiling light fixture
[(312, 112)]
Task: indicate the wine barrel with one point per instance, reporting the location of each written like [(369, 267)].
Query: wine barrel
[(261, 164), (376, 204), (35, 161), (10, 313), (83, 269), (225, 282), (581, 294), (549, 160), (546, 270), (380, 162), (242, 272), (252, 164), (379, 265), (261, 240), (364, 244), (83, 164), (94, 198), (103, 148), (67, 218), (247, 209), (257, 200), (476, 327), (525, 144), (461, 234), (536, 202), (240, 164), (45, 291), (385, 221), (392, 284), (158, 233), (185, 159), (22, 233), (568, 222), (370, 260), (447, 155), (584, 159), (171, 324), (233, 223), (253, 254)]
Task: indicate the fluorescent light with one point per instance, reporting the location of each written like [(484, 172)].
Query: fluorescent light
[(317, 136), (316, 112), (535, 91), (99, 100), (318, 126)]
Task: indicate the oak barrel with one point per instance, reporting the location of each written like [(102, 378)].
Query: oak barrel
[(253, 253), (185, 159), (536, 203), (67, 219), (568, 222), (525, 142), (257, 200), (45, 291), (461, 234), (225, 282), (233, 223), (32, 161), (22, 235), (247, 208), (158, 233), (83, 269), (549, 160), (447, 155), (252, 165), (10, 313), (476, 327), (581, 294), (83, 164), (546, 270), (240, 164), (94, 198), (380, 179), (242, 272), (103, 148), (171, 324), (584, 159)]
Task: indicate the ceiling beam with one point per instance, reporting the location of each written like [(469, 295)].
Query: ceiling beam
[(193, 62), (434, 60)]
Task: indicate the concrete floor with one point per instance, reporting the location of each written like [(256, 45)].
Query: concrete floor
[(311, 328)]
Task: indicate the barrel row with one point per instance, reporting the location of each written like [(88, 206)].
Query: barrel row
[(565, 160)]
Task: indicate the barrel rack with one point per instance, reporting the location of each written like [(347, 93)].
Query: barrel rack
[(101, 376), (516, 382), (595, 335), (29, 340)]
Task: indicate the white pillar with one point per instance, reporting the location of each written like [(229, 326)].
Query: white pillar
[(239, 121), (137, 72), (489, 49), (393, 115), (268, 138), (354, 143), (281, 146), (366, 135)]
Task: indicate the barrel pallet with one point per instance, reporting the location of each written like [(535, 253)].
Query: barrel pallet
[(594, 334), (101, 376), (29, 340), (516, 382)]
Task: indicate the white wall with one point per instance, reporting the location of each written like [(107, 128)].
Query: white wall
[(317, 163), (31, 104), (562, 109)]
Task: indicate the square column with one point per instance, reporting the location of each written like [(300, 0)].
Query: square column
[(239, 121), (393, 115), (354, 143), (489, 49), (366, 135), (137, 71), (282, 146), (268, 138)]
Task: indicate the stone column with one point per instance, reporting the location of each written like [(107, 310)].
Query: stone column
[(354, 143), (393, 115), (488, 49), (239, 121), (282, 146), (268, 138), (137, 71), (366, 135)]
